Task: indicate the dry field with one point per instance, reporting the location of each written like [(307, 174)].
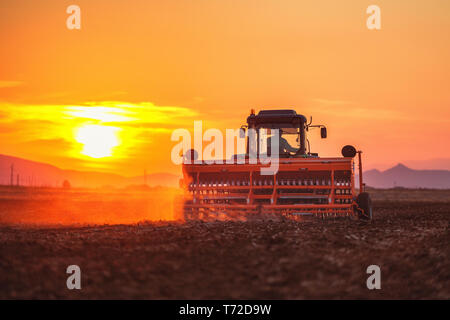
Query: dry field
[(44, 231)]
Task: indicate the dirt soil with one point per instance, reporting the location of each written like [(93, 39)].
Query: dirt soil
[(259, 259)]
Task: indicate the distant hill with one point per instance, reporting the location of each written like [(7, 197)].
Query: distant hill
[(429, 164), (42, 174), (33, 173), (402, 176)]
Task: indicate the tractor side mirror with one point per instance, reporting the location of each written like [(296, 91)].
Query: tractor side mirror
[(190, 155), (242, 133), (323, 132)]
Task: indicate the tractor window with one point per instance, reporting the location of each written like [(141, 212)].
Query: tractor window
[(291, 135)]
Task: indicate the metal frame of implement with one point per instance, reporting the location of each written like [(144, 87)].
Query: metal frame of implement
[(302, 186)]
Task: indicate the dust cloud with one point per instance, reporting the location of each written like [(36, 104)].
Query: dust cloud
[(51, 206)]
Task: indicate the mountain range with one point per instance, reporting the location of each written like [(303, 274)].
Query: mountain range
[(33, 173), (402, 176)]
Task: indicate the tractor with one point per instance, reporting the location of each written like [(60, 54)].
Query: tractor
[(305, 184)]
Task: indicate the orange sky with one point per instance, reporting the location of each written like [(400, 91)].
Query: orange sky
[(142, 68)]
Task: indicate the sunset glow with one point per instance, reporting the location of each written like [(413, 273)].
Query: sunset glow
[(108, 96), (208, 150)]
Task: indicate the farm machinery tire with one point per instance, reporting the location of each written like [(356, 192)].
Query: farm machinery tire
[(365, 205)]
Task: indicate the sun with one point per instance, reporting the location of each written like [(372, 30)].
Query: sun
[(98, 141)]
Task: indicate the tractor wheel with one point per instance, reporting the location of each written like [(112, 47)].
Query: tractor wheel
[(365, 203)]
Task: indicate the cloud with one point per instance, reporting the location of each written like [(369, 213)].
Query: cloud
[(47, 145), (332, 102), (10, 83), (3, 115), (51, 130), (103, 112), (127, 114)]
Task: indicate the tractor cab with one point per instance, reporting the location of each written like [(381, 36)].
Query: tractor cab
[(292, 128)]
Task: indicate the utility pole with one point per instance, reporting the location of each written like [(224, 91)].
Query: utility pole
[(18, 180), (12, 175)]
